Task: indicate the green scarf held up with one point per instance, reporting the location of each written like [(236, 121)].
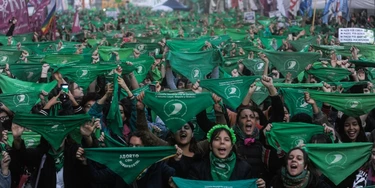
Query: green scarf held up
[(10, 85), (142, 66), (58, 157), (20, 102), (185, 46), (110, 142), (295, 101), (194, 66), (292, 62), (338, 161), (350, 104), (106, 53), (129, 162), (31, 139), (300, 181), (292, 134), (9, 56), (185, 183), (114, 119), (329, 74), (29, 72), (231, 90), (53, 128), (175, 109), (261, 93), (222, 169)]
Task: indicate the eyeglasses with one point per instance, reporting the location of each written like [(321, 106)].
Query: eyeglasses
[(3, 118)]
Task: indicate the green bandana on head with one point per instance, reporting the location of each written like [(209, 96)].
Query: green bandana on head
[(251, 183), (329, 74), (194, 66), (129, 162), (175, 109), (231, 90), (222, 169), (10, 85), (9, 56), (53, 129), (350, 104), (344, 158), (290, 135), (295, 101), (292, 62)]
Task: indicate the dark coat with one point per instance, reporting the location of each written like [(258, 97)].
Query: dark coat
[(314, 182)]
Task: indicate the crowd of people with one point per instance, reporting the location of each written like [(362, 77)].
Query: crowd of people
[(155, 99)]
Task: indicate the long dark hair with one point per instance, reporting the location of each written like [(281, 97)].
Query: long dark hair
[(340, 122), (217, 132), (193, 147)]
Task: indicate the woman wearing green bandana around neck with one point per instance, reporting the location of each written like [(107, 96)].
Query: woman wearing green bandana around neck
[(222, 163), (297, 173)]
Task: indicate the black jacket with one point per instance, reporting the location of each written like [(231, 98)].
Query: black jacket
[(201, 170), (314, 182), (74, 172)]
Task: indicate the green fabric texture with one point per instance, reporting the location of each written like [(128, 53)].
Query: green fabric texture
[(9, 56), (143, 66), (135, 92), (175, 109), (261, 93), (363, 63), (329, 74), (295, 85), (236, 34), (53, 128), (293, 62), (114, 121), (303, 43), (10, 85), (85, 73), (295, 101), (338, 161), (29, 72), (216, 40), (129, 162), (350, 104), (41, 48), (106, 53), (31, 139), (185, 183), (20, 102), (144, 48), (272, 43), (185, 46), (110, 142), (231, 90), (230, 63), (194, 66), (256, 66), (291, 134), (58, 59), (222, 169)]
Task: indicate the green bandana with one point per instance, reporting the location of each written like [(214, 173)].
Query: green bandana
[(261, 93), (21, 102), (272, 43), (144, 48), (9, 85), (251, 183), (350, 104), (131, 161), (293, 62), (231, 90), (194, 66), (296, 85), (115, 123), (344, 158), (255, 65), (329, 74), (290, 135), (9, 56), (85, 73), (53, 129), (185, 46), (27, 37), (230, 63), (302, 45), (339, 50), (58, 157), (31, 139), (110, 142), (222, 169), (175, 109), (216, 40), (295, 101), (135, 92), (106, 54), (29, 72), (58, 59), (142, 66), (236, 34), (299, 181), (41, 48)]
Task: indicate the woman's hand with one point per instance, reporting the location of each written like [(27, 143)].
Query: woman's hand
[(80, 155), (5, 163), (179, 153), (267, 129), (261, 183)]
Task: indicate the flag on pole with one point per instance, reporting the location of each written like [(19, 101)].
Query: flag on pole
[(76, 28), (49, 20), (329, 10)]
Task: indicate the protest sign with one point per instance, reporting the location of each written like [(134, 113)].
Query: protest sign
[(249, 17), (356, 35)]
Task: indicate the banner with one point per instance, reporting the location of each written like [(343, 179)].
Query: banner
[(356, 35), (17, 9), (249, 17)]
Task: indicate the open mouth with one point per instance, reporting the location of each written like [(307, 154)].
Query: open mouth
[(248, 127), (293, 166), (352, 134), (183, 135), (222, 151)]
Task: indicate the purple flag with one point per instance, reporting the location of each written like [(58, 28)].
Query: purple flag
[(16, 9)]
